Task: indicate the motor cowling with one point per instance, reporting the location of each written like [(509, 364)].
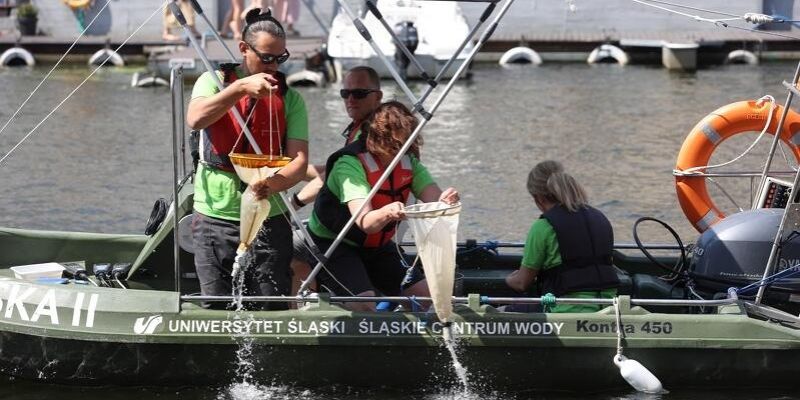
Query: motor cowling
[(735, 251)]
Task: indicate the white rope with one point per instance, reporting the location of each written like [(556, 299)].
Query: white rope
[(619, 326), (696, 170), (160, 9), (63, 56)]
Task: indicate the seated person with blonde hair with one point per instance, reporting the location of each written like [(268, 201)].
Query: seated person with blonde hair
[(568, 249)]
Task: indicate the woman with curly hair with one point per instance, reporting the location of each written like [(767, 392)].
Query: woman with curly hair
[(367, 262)]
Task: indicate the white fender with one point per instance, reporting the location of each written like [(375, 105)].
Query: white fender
[(145, 80), (113, 58), (741, 57), (608, 51), (520, 55), (639, 377), (17, 56), (306, 78)]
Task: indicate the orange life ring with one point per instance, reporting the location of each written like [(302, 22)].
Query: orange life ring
[(725, 122)]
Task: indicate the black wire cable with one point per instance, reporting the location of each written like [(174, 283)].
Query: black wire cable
[(682, 263)]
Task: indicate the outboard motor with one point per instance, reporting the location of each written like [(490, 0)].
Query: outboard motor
[(407, 34), (734, 253)]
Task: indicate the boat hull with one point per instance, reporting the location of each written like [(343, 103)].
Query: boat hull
[(510, 368)]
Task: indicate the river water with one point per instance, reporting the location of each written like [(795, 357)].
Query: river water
[(99, 162)]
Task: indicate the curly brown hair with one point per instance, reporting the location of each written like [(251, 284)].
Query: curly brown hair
[(390, 126)]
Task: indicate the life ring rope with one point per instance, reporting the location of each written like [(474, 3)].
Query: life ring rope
[(715, 137)]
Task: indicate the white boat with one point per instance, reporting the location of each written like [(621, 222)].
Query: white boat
[(441, 28)]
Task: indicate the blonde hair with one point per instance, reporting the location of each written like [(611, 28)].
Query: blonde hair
[(548, 179)]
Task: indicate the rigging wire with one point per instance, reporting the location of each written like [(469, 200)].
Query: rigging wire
[(160, 9), (63, 56), (692, 8), (754, 18)]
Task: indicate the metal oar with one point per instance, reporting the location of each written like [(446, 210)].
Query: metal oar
[(484, 37)]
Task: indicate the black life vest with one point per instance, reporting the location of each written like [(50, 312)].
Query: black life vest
[(333, 214), (218, 139), (586, 243)]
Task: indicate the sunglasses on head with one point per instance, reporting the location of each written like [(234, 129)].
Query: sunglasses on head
[(267, 58), (357, 93)]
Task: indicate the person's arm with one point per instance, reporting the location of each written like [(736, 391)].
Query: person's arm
[(289, 175), (309, 192), (521, 279), (372, 221), (204, 111), (433, 193)]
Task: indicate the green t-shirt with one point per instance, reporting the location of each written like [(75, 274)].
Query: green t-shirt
[(542, 253), (216, 192), (348, 181)]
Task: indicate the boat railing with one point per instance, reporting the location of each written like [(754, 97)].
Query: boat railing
[(460, 300)]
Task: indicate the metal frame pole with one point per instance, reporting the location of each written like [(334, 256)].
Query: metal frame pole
[(176, 90), (238, 117), (199, 10), (374, 10), (776, 136), (776, 244), (368, 37), (486, 13), (486, 35)]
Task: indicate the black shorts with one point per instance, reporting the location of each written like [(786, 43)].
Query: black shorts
[(353, 270)]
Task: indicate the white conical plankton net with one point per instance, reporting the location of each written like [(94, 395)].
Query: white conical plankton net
[(434, 226), (252, 168)]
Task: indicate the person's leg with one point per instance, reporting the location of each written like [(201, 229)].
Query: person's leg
[(292, 13), (345, 275), (215, 243), (302, 262), (236, 20), (268, 271), (387, 273)]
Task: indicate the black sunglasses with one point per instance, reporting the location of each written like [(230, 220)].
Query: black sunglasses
[(357, 93), (267, 58)]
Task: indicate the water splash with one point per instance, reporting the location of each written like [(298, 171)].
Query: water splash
[(245, 367), (460, 370), (250, 391)]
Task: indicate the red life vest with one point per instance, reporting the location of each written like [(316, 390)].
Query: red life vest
[(220, 138), (334, 215), (396, 188)]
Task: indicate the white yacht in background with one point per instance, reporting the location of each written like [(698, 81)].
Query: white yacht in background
[(441, 27)]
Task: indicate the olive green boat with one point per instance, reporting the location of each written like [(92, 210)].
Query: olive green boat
[(151, 334)]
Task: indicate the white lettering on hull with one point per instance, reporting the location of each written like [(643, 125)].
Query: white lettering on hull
[(46, 309)]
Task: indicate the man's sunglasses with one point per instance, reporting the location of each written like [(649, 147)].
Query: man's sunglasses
[(357, 93), (267, 58)]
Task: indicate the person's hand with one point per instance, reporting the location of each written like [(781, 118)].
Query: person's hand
[(261, 189), (394, 211), (449, 196), (258, 85)]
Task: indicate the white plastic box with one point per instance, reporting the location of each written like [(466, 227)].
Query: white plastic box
[(35, 271)]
